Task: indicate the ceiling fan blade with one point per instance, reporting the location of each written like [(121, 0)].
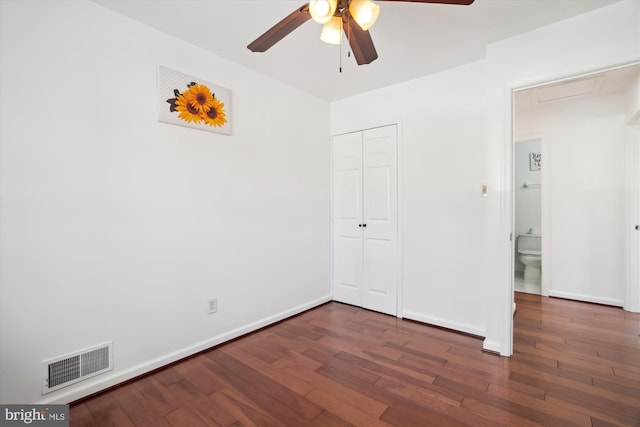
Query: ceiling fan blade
[(460, 2), (281, 29), (359, 40)]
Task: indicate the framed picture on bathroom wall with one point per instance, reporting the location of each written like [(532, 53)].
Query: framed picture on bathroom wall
[(535, 161)]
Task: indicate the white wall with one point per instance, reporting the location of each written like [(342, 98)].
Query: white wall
[(632, 103), (118, 227), (586, 195), (456, 136), (592, 41), (442, 165)]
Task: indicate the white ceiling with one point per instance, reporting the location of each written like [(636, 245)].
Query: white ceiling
[(412, 39)]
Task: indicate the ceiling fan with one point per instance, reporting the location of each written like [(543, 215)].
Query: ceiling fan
[(354, 17)]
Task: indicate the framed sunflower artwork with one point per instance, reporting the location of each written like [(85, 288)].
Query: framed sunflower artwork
[(189, 101)]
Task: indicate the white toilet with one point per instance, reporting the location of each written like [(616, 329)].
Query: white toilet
[(530, 254)]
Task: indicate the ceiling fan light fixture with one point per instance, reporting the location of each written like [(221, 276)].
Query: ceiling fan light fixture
[(364, 12), (332, 31), (322, 10)]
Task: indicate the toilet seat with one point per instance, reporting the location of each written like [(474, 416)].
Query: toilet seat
[(532, 252)]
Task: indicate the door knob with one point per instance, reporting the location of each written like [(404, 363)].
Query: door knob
[(364, 225), (359, 225)]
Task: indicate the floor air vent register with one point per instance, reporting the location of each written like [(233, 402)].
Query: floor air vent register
[(71, 368)]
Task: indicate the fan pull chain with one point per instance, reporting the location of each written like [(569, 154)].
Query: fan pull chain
[(340, 52), (349, 30), (348, 41)]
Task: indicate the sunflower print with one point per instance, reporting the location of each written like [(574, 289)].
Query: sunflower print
[(197, 104), (187, 111), (216, 115), (200, 97)]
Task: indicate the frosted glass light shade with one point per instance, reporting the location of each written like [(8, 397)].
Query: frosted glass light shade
[(364, 12), (332, 31), (322, 10)]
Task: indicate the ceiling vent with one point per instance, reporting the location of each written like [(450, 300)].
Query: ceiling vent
[(71, 368), (568, 90)]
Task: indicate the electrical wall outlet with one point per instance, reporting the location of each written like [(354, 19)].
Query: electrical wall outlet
[(212, 306)]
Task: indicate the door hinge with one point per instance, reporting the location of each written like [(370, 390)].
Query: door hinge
[(511, 237)]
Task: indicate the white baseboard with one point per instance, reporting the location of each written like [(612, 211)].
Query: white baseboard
[(492, 346), (103, 382), (443, 323), (587, 298)]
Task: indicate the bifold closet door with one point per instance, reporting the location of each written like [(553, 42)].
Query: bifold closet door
[(365, 219)]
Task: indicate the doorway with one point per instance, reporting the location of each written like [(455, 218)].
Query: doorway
[(527, 216), (587, 187)]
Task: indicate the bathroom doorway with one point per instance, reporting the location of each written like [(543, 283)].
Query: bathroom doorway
[(588, 131), (527, 215)]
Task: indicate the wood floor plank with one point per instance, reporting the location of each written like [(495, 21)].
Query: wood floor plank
[(626, 373), (115, 417), (198, 376), (167, 376), (103, 403), (259, 380), (138, 408), (238, 411), (486, 403), (160, 397), (297, 385), (82, 416), (184, 417), (540, 404), (400, 415), (327, 419), (346, 410), (422, 399), (596, 422), (581, 396), (574, 364), (281, 411), (595, 413), (486, 410), (570, 387), (344, 396), (200, 404)]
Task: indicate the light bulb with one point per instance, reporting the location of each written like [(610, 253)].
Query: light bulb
[(365, 15), (364, 12), (332, 31), (322, 10)]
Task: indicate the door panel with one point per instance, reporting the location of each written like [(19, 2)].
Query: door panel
[(347, 214), (378, 203), (376, 274), (380, 215)]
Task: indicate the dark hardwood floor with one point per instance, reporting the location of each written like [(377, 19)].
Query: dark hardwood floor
[(574, 364)]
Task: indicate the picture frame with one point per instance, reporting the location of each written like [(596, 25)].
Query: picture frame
[(185, 100), (535, 161)]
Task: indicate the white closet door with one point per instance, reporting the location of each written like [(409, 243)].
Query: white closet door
[(347, 216), (365, 219), (380, 215)]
